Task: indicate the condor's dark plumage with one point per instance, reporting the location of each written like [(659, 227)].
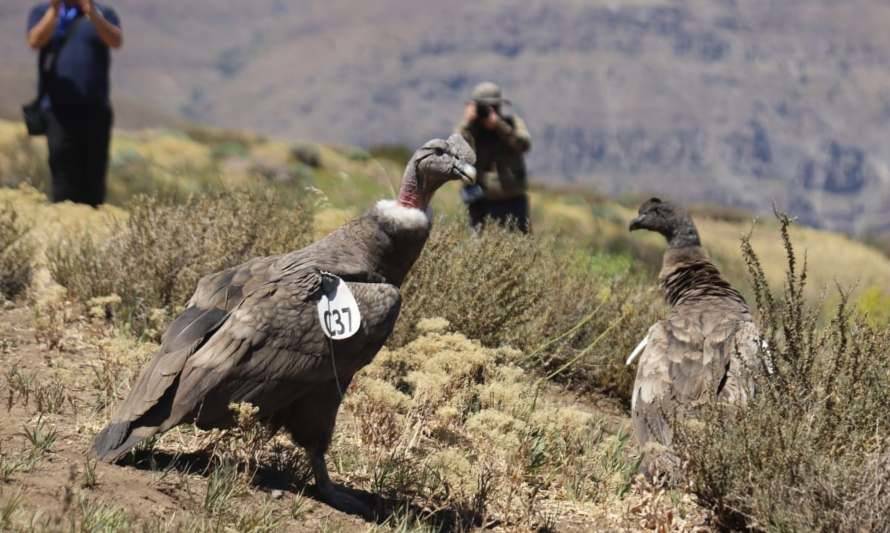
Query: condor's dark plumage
[(707, 346), (251, 333)]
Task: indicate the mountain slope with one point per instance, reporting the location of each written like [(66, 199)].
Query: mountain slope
[(746, 104)]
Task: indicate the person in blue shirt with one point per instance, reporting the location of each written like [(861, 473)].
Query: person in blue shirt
[(74, 39)]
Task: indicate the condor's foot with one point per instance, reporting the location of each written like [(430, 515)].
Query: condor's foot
[(335, 496)]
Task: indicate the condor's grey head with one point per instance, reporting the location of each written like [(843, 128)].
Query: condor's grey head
[(433, 164), (669, 220)]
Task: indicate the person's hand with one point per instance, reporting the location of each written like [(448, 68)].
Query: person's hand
[(470, 112), (55, 4), (86, 6), (491, 121)]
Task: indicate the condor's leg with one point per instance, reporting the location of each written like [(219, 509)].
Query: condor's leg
[(310, 422)]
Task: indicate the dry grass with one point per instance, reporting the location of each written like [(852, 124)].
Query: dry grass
[(455, 422), (466, 434), (153, 262), (572, 318), (23, 160), (16, 253), (811, 451)]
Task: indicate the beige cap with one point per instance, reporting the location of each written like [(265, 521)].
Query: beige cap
[(488, 93)]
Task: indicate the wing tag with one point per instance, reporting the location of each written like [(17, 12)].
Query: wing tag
[(338, 311)]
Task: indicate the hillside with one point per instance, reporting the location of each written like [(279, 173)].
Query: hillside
[(744, 104), (504, 409), (183, 162)]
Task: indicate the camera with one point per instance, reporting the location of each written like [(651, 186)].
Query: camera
[(471, 194), (483, 110)]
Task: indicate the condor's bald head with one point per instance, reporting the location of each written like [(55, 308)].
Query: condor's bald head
[(669, 220)]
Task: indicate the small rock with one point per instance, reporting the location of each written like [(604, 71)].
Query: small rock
[(277, 494)]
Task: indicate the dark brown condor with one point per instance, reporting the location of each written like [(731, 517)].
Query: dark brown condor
[(262, 332)]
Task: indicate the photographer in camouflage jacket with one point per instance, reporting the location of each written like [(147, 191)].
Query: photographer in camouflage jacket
[(500, 141)]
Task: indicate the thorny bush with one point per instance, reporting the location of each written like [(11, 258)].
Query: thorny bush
[(810, 452)]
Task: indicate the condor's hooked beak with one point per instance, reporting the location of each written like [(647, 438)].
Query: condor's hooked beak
[(467, 172), (637, 223)]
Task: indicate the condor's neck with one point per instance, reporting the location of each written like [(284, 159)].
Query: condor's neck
[(687, 274), (411, 194), (399, 234)]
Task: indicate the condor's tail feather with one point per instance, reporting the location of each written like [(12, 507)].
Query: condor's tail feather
[(146, 411), (118, 438)]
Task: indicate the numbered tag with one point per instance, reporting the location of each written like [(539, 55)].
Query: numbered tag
[(337, 309)]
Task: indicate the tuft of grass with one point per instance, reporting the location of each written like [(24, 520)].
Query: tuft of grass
[(224, 483), (97, 517), (19, 387), (90, 476), (154, 261), (10, 465), (809, 453), (40, 437), (51, 397), (8, 509), (16, 254), (51, 324), (262, 518)]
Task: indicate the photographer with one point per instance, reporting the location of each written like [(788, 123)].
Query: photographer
[(73, 107), (501, 141)]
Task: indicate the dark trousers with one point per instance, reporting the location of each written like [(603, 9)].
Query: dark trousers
[(512, 212), (78, 154)]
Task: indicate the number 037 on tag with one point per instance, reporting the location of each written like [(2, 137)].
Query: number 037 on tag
[(338, 311)]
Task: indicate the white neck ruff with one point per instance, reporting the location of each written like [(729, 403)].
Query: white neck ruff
[(404, 217)]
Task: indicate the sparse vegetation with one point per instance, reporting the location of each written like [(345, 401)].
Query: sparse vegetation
[(499, 400), (154, 261), (21, 161), (504, 288), (307, 154), (467, 435), (811, 452), (41, 437), (16, 253)]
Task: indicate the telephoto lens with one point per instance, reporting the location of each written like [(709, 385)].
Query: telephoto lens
[(482, 110)]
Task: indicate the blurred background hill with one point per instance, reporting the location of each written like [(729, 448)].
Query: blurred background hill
[(739, 103)]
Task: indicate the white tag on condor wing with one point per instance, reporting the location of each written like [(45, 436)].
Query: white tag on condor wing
[(338, 311)]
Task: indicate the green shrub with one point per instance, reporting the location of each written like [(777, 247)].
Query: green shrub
[(229, 149), (213, 136), (810, 452), (397, 153), (306, 154), (355, 153), (534, 294), (874, 305), (16, 254), (131, 174), (155, 260)]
